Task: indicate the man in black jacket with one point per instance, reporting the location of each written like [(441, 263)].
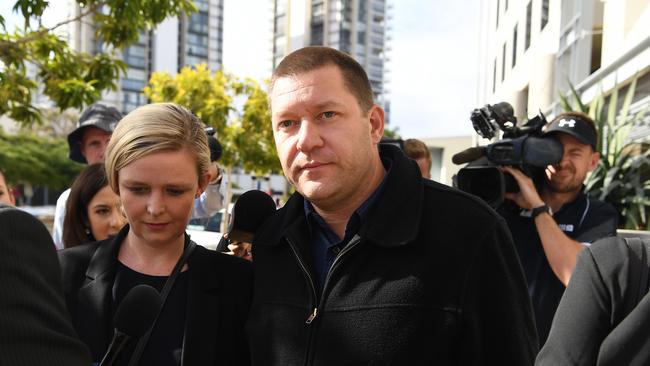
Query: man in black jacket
[(369, 263), (35, 327)]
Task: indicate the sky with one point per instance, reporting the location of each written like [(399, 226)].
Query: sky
[(433, 67)]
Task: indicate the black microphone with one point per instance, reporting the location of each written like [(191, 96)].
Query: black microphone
[(249, 212), (133, 318), (468, 155)]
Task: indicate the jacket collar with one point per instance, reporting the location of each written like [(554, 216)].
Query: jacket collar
[(393, 220)]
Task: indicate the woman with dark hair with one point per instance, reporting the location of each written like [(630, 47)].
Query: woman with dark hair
[(93, 210)]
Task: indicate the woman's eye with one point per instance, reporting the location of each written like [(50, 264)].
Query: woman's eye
[(102, 211), (137, 190)]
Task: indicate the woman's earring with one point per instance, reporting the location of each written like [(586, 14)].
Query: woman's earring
[(87, 231)]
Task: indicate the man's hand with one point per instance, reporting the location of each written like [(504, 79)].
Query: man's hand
[(527, 197), (240, 249)]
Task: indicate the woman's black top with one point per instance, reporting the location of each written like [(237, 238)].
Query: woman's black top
[(166, 342)]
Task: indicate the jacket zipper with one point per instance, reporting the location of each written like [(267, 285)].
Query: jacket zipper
[(310, 281), (321, 301)]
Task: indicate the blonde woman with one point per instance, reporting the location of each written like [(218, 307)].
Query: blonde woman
[(157, 162)]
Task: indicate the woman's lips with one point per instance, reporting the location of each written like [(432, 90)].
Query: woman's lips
[(156, 226)]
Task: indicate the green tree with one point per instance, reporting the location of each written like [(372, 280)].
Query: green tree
[(38, 160), (245, 135), (622, 177), (70, 78)]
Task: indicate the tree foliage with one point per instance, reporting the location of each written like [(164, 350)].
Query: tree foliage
[(70, 78), (622, 177), (245, 135), (38, 160)]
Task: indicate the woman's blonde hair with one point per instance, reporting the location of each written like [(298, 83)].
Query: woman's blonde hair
[(154, 128)]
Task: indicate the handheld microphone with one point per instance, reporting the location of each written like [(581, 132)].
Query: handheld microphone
[(468, 155), (249, 212), (134, 316)]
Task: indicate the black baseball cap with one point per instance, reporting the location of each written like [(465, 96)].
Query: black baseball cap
[(97, 115), (574, 125)]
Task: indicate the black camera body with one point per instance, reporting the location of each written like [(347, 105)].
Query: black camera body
[(523, 147)]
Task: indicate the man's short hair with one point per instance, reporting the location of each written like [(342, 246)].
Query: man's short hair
[(315, 57), (416, 149)]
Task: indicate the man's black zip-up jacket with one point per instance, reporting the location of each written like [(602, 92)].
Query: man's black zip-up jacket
[(431, 278)]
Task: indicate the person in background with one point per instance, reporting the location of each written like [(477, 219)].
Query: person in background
[(35, 326), (93, 211), (6, 196), (368, 263), (157, 162), (87, 145), (604, 316), (418, 151), (552, 226)]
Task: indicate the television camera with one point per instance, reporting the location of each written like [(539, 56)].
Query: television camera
[(523, 147)]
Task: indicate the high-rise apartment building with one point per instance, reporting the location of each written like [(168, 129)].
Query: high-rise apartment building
[(357, 27), (186, 40), (531, 50)]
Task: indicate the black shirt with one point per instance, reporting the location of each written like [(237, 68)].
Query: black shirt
[(166, 342), (585, 220)]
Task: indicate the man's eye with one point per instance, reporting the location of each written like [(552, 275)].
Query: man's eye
[(286, 124), (328, 114)]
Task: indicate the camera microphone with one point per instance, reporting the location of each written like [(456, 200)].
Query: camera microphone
[(134, 316), (468, 155)]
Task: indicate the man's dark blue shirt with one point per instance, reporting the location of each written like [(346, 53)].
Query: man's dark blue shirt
[(326, 244)]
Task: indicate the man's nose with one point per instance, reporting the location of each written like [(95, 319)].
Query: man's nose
[(308, 136)]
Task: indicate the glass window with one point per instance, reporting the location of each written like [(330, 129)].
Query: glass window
[(514, 46), (544, 13), (529, 10)]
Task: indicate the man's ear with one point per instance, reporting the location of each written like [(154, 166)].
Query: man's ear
[(593, 163), (376, 116)]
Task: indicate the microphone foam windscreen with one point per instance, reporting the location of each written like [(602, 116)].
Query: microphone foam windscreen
[(138, 310), (215, 148), (251, 210)]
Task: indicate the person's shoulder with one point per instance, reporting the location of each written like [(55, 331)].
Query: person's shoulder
[(76, 258), (63, 197), (601, 206), (609, 253), (8, 211), (221, 261), (452, 201)]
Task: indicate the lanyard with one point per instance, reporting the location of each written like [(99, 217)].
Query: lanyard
[(142, 343)]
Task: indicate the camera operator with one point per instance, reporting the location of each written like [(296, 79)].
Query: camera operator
[(552, 226)]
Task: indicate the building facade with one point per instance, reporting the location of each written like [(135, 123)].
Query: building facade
[(356, 27), (531, 51), (186, 40)]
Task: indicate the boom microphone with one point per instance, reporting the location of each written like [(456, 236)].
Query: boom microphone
[(134, 316), (249, 212), (468, 155)]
